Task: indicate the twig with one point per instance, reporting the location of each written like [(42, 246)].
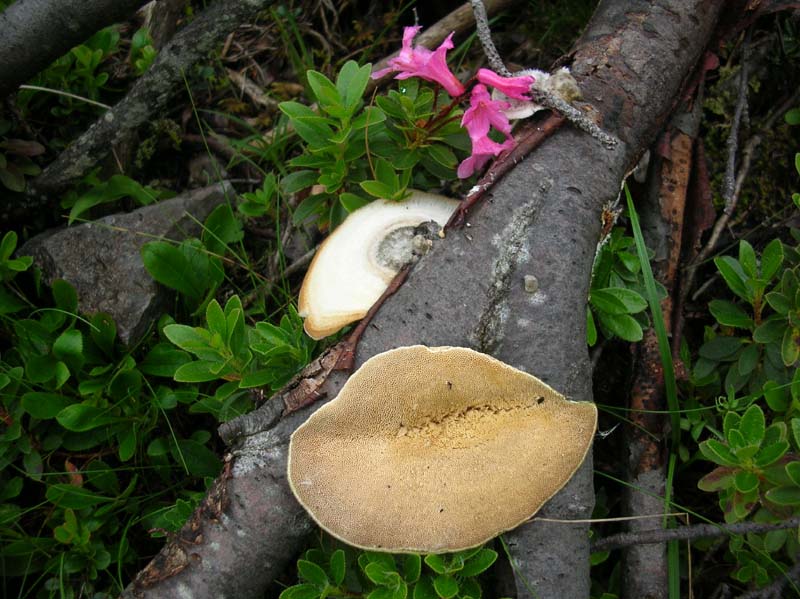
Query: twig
[(574, 116), (696, 531), (347, 358), (531, 138), (775, 590), (485, 35), (252, 91)]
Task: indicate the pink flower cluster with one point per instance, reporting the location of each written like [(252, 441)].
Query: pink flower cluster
[(483, 112)]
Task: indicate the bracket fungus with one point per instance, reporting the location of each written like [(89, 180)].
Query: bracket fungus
[(356, 263), (434, 450)]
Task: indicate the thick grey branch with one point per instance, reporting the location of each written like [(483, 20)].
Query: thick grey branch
[(36, 32)]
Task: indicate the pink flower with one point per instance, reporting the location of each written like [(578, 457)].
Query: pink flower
[(421, 62), (513, 87), (483, 114), (482, 151)]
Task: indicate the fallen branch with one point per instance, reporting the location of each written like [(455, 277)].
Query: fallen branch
[(150, 94), (683, 533), (36, 32)]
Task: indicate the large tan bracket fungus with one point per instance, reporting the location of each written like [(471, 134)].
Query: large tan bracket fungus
[(434, 450), (355, 265)]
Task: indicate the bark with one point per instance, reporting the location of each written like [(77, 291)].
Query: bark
[(36, 32), (542, 220), (645, 569), (150, 94)]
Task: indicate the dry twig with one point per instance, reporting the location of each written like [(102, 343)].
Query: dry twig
[(682, 533)]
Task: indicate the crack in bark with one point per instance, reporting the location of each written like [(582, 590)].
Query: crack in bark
[(489, 331)]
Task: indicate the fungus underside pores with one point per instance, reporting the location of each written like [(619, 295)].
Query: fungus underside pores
[(434, 450)]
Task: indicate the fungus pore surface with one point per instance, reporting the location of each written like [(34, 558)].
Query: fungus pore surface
[(356, 263), (434, 450)]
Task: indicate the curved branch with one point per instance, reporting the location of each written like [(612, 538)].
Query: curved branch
[(36, 32)]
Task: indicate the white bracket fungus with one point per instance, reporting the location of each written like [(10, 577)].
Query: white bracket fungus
[(433, 450), (355, 265)]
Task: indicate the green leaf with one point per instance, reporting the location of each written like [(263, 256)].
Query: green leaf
[(784, 495), (118, 186), (312, 205), (446, 586), (301, 591), (732, 272), (126, 441), (163, 360), (718, 453), (351, 83), (770, 331), (747, 258), (200, 371), (771, 259), (771, 453), (69, 496), (44, 405), (221, 229), (82, 417), (752, 425), (192, 339), (730, 314), (442, 155), (479, 563), (312, 573), (215, 318), (184, 268), (630, 299), (412, 568), (792, 117), (591, 329), (720, 348), (326, 93), (793, 471), (776, 396), (790, 346), (745, 481), (779, 302), (337, 567), (622, 325), (379, 573), (369, 117), (748, 359), (352, 202), (719, 479), (69, 346), (795, 424), (377, 189), (299, 180), (436, 563), (65, 296)]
